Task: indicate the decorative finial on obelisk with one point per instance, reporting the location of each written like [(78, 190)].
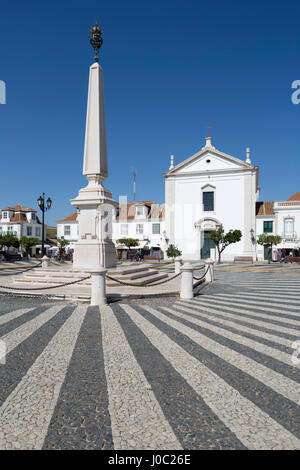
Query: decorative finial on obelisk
[(96, 39)]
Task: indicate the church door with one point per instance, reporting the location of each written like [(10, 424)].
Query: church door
[(206, 244)]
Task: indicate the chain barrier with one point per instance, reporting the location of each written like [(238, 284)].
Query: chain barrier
[(202, 277), (23, 271), (144, 285), (44, 288)]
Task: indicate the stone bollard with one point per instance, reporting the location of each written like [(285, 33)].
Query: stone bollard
[(209, 266), (186, 290), (178, 263), (45, 262), (98, 286)]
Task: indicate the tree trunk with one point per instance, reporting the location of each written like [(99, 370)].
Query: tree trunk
[(219, 256)]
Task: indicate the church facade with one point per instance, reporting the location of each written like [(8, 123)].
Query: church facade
[(209, 189)]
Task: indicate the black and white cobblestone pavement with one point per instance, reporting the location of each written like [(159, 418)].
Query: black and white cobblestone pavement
[(215, 372)]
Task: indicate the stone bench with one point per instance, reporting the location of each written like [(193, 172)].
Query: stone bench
[(243, 258)]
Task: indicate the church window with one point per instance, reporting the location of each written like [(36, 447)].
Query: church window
[(268, 226), (288, 226), (208, 201), (67, 230), (124, 229), (156, 229), (139, 228)]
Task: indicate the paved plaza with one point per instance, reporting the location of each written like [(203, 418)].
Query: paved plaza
[(215, 372)]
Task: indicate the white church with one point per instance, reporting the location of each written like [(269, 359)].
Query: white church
[(209, 189), (212, 188)]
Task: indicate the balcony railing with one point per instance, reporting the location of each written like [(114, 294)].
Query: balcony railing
[(289, 236)]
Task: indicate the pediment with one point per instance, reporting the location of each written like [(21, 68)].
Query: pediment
[(209, 159)]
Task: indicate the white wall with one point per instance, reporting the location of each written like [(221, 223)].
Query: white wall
[(228, 210)]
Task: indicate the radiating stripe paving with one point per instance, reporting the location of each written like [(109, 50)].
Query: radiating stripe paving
[(192, 375), (7, 317), (246, 318), (253, 427), (27, 344), (261, 306), (26, 413), (240, 349), (137, 419), (81, 418), (19, 320), (288, 306), (21, 333), (284, 324), (261, 385), (273, 341), (193, 422)]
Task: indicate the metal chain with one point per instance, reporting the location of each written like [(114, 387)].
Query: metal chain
[(144, 285), (202, 277), (24, 270), (44, 288)]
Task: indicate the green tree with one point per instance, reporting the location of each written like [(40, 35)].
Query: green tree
[(173, 252), (128, 242), (28, 242), (62, 243), (9, 240), (223, 240), (268, 240)]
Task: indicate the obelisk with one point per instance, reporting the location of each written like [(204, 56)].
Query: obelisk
[(94, 202)]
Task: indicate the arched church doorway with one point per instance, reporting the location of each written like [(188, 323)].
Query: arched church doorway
[(206, 244)]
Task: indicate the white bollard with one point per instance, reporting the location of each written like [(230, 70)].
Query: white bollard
[(98, 286), (186, 291), (209, 266), (178, 263), (45, 262)]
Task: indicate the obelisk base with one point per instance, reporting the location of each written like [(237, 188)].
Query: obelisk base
[(89, 253)]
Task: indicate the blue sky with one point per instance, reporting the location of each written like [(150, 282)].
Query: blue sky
[(171, 68)]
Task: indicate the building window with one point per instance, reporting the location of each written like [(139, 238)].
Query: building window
[(268, 226), (38, 231), (156, 229), (288, 226), (29, 231), (139, 210), (67, 230), (124, 229), (33, 215), (208, 201), (139, 228), (5, 215), (0, 230)]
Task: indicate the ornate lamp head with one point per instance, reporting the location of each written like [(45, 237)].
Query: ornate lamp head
[(96, 39)]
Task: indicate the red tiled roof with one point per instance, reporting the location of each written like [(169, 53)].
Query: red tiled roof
[(70, 218), (18, 208), (295, 197), (155, 211), (265, 208), (17, 217)]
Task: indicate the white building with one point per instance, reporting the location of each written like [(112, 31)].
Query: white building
[(67, 229), (142, 220), (209, 189), (20, 222), (279, 218)]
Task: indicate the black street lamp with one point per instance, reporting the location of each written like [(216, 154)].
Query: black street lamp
[(44, 208)]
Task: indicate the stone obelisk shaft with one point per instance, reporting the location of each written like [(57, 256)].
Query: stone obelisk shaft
[(94, 202)]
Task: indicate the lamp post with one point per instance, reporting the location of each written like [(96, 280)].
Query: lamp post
[(44, 208)]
